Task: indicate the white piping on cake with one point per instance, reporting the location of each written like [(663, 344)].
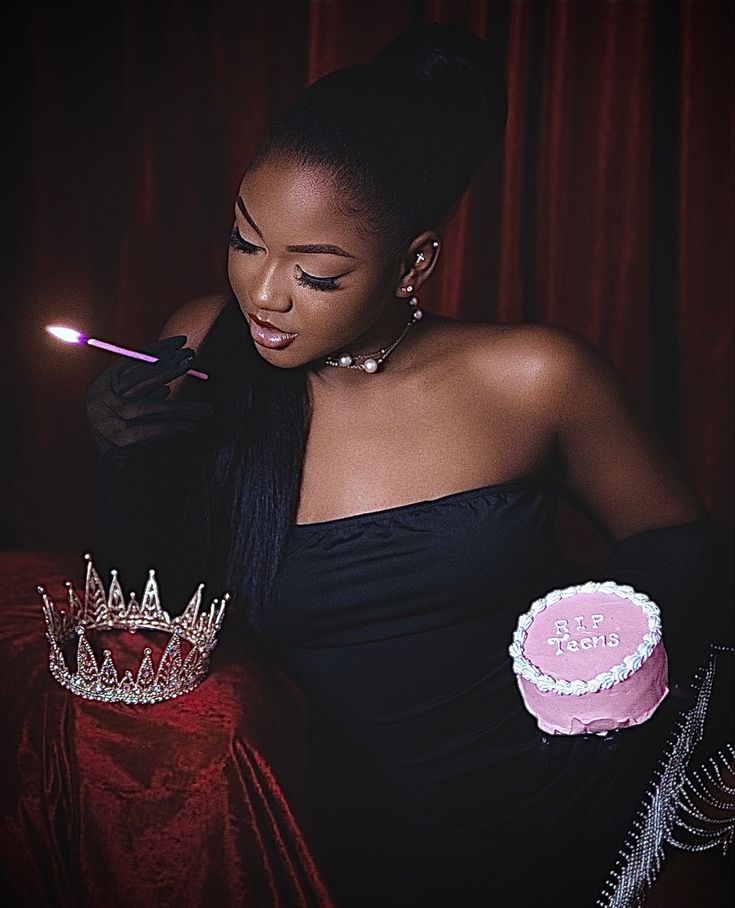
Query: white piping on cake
[(522, 666)]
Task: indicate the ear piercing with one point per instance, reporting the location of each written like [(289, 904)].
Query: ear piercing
[(420, 257), (417, 313)]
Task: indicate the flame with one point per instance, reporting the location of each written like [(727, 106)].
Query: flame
[(69, 335)]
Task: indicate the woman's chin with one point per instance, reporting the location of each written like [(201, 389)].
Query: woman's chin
[(285, 358)]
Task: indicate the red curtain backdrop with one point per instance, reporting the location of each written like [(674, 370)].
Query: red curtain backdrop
[(608, 209)]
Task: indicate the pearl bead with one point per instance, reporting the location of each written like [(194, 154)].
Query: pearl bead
[(370, 365), (345, 360), (414, 301), (418, 314)]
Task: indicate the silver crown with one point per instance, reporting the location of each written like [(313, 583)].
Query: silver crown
[(102, 611)]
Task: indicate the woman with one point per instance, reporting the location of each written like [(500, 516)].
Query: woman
[(376, 486)]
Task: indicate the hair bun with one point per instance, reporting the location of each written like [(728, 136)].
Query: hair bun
[(454, 77), (402, 135)]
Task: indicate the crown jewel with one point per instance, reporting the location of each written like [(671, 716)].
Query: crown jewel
[(175, 674)]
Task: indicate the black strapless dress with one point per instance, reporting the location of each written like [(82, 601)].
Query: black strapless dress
[(432, 784)]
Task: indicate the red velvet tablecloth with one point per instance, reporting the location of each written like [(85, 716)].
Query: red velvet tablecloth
[(191, 802)]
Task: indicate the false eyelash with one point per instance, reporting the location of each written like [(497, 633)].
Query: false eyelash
[(238, 243), (316, 283)]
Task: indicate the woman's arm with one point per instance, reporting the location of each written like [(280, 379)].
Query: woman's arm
[(194, 319), (617, 471), (615, 468), (131, 426)]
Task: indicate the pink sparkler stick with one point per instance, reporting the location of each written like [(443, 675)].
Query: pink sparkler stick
[(71, 336)]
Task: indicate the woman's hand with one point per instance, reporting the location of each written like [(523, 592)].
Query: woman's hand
[(127, 407)]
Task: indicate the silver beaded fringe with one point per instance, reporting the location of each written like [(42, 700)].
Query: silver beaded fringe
[(642, 855)]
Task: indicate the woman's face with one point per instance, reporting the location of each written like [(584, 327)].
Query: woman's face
[(316, 282)]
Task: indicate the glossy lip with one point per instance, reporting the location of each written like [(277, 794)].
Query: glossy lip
[(266, 324), (265, 335)]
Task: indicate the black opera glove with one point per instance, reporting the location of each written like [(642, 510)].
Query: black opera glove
[(679, 568), (128, 419), (127, 408)]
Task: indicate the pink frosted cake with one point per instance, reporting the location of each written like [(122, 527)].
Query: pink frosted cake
[(589, 658)]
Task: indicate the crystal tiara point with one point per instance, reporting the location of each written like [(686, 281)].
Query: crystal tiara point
[(107, 611)]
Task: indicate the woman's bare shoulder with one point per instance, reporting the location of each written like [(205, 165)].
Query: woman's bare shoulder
[(522, 358), (194, 319), (548, 372)]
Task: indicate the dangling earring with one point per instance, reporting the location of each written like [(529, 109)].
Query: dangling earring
[(417, 313), (372, 361)]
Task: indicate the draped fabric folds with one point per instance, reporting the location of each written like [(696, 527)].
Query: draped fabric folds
[(194, 801)]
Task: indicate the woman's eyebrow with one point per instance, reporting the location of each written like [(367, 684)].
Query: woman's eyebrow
[(309, 248), (243, 209), (320, 249)]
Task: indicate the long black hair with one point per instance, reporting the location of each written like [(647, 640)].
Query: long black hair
[(401, 137)]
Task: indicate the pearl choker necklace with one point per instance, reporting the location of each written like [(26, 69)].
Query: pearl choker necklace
[(370, 362)]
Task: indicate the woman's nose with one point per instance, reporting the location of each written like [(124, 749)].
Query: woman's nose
[(270, 290)]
